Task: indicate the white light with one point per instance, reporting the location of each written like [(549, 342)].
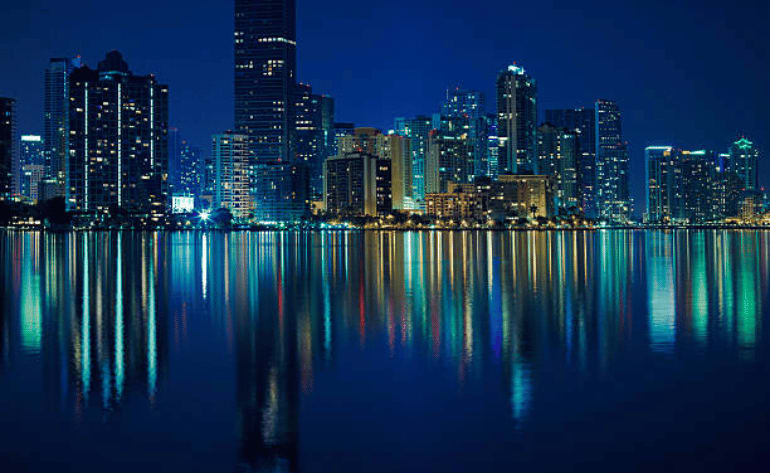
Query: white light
[(205, 216)]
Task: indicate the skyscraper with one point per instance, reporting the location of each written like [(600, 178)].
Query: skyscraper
[(56, 117), (118, 141), (311, 145), (744, 161), (190, 179), (230, 173), (9, 156), (417, 130), (612, 193), (32, 165), (265, 76), (583, 122), (557, 157), (659, 169), (450, 159), (466, 109), (517, 121)]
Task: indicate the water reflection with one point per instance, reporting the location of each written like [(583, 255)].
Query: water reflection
[(100, 312)]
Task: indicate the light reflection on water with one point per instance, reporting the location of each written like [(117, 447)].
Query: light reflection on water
[(143, 324)]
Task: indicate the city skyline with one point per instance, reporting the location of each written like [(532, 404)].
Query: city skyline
[(684, 111)]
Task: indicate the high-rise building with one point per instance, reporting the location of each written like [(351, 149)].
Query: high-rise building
[(450, 159), (265, 76), (118, 141), (32, 150), (32, 163), (190, 178), (399, 152), (418, 131), (229, 173), (744, 161), (583, 122), (517, 121), (557, 157), (350, 184), (659, 169), (465, 110), (311, 145), (9, 154), (612, 191), (56, 119), (493, 145), (281, 191)]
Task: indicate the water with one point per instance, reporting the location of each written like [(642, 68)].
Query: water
[(318, 352)]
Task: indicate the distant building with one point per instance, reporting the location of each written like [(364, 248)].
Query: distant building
[(449, 159), (660, 177), (558, 157), (399, 153), (744, 161), (9, 154), (31, 177), (612, 189), (311, 144), (32, 162), (281, 191), (118, 141), (517, 121), (467, 109), (460, 202), (418, 131), (229, 178), (190, 177), (493, 146), (341, 130), (583, 122), (517, 195), (56, 119)]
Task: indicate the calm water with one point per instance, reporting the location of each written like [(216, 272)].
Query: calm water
[(321, 352)]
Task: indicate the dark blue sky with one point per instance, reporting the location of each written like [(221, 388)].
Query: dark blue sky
[(691, 73)]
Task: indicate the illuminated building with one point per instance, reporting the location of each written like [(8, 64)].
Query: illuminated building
[(612, 193), (583, 122), (418, 131), (340, 130), (398, 152), (461, 201), (449, 159), (466, 109), (118, 141), (32, 166), (493, 145), (281, 191), (350, 184), (56, 119), (744, 161), (230, 173), (659, 168), (265, 76), (9, 154), (31, 177), (190, 177), (557, 156), (313, 123), (517, 195), (516, 121)]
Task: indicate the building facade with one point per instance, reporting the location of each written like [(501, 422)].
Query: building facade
[(350, 185), (418, 131), (230, 174), (744, 161), (612, 189), (517, 121), (450, 159), (56, 119), (118, 142), (557, 156), (9, 154)]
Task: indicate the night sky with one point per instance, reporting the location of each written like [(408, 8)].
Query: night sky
[(693, 74)]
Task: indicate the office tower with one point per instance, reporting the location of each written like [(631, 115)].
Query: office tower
[(229, 178), (583, 122), (265, 76), (118, 141), (32, 165), (466, 108), (517, 121), (399, 153), (521, 196), (696, 185), (659, 169), (418, 131), (327, 127), (449, 160), (340, 130), (9, 155), (612, 196), (311, 145), (744, 161), (174, 150), (281, 191), (557, 157), (56, 118), (190, 179), (493, 145), (350, 184)]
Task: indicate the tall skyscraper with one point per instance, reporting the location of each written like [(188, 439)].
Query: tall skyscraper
[(744, 161), (557, 157), (583, 122), (32, 165), (265, 76), (659, 169), (450, 159), (418, 131), (612, 193), (312, 116), (118, 141), (466, 109), (9, 151), (190, 180), (517, 121), (56, 118), (350, 184), (230, 173)]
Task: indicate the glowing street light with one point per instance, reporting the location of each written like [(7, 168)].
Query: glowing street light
[(204, 216)]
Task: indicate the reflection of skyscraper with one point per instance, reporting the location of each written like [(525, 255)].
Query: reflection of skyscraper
[(660, 291), (517, 120)]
